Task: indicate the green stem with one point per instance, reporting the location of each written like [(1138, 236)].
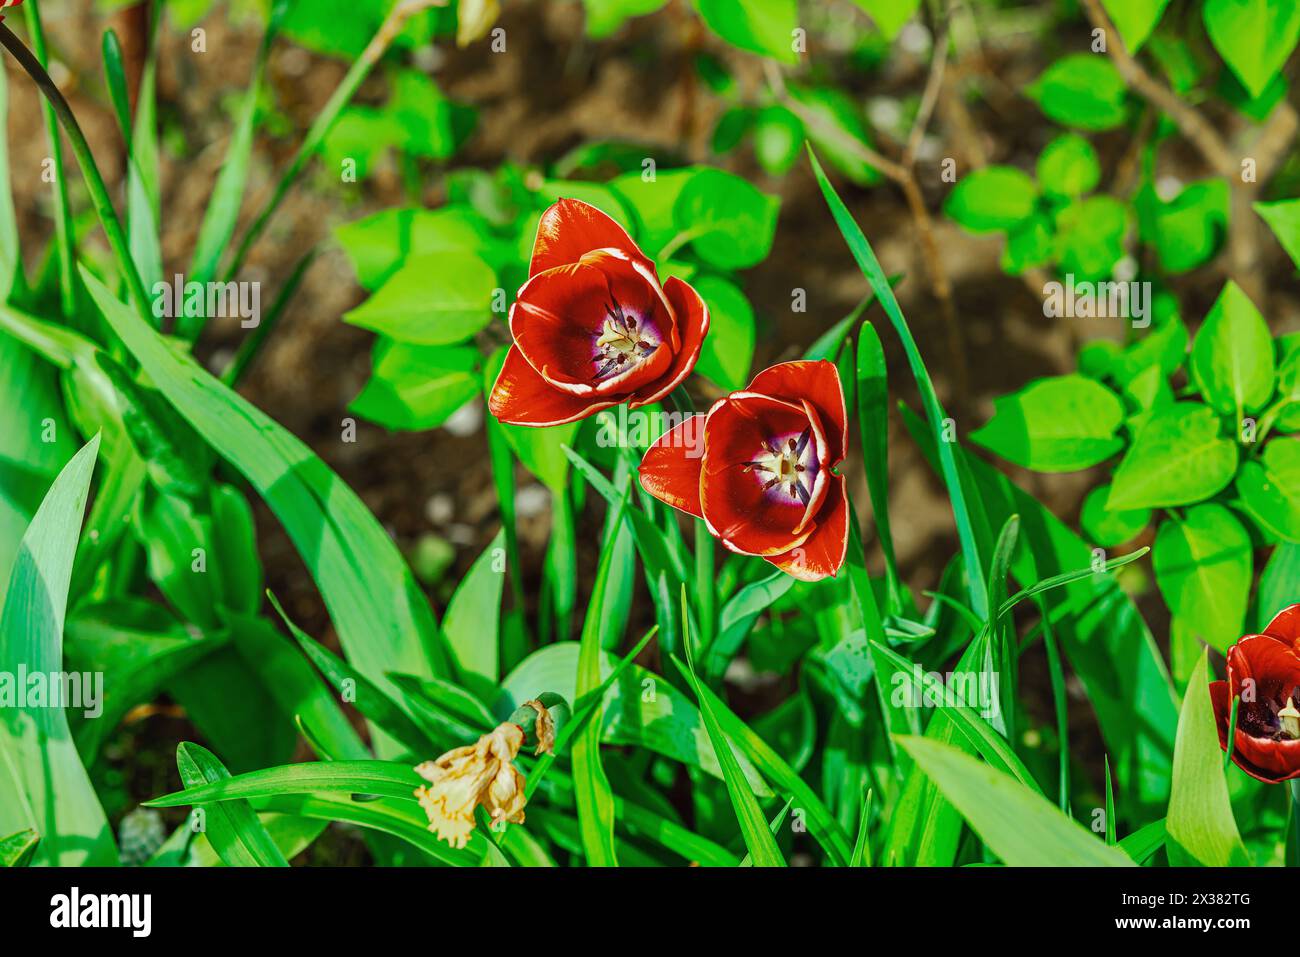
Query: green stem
[(63, 234), (1293, 831), (316, 134), (86, 160), (704, 584)]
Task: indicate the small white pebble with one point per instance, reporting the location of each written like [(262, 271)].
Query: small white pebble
[(531, 501), (440, 508), (466, 420)]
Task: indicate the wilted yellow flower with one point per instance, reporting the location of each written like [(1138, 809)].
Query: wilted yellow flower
[(463, 778), (544, 729)]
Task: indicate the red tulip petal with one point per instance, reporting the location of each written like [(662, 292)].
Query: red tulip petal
[(1221, 701), (670, 469), (817, 382), (743, 505), (823, 553), (569, 229), (692, 324), (520, 396), (1285, 625), (560, 315), (1271, 671)]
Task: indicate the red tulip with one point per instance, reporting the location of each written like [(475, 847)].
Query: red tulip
[(1265, 671), (762, 478), (592, 326)]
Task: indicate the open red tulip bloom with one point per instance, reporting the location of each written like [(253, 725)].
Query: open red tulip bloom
[(1267, 742), (761, 479), (593, 327)]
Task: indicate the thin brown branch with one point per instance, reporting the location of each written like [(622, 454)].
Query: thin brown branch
[(1190, 122)]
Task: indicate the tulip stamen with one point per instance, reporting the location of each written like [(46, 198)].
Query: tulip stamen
[(619, 342), (784, 460)]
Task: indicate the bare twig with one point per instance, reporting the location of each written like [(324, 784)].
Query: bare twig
[(1192, 125), (903, 176), (933, 84)]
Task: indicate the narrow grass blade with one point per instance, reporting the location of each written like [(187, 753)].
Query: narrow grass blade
[(383, 621), (992, 746), (1021, 827), (821, 822), (591, 787), (873, 421), (231, 827), (753, 825), (938, 419), (861, 856)]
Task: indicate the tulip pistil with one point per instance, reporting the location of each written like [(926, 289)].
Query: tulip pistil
[(620, 342), (786, 466), (1290, 718)]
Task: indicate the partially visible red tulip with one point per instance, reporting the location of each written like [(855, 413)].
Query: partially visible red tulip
[(761, 479), (1265, 671), (593, 327)]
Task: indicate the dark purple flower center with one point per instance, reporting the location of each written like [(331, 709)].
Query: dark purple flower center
[(624, 342), (787, 467)]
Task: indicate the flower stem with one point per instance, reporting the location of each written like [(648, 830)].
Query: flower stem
[(59, 187), (86, 160), (356, 75), (1293, 829)]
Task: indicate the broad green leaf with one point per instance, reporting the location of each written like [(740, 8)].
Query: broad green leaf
[(231, 827), (1107, 527), (1135, 19), (432, 299), (383, 622), (1269, 487), (1082, 90), (1058, 424), (1232, 355), (18, 850), (760, 26), (1177, 458), (1189, 229), (472, 622), (1090, 236), (992, 199), (1203, 567), (1283, 217), (1254, 37), (890, 15), (418, 387), (1019, 826), (778, 139), (1068, 167), (730, 224), (835, 126), (1200, 824), (1164, 345), (729, 347), (606, 16), (50, 790)]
